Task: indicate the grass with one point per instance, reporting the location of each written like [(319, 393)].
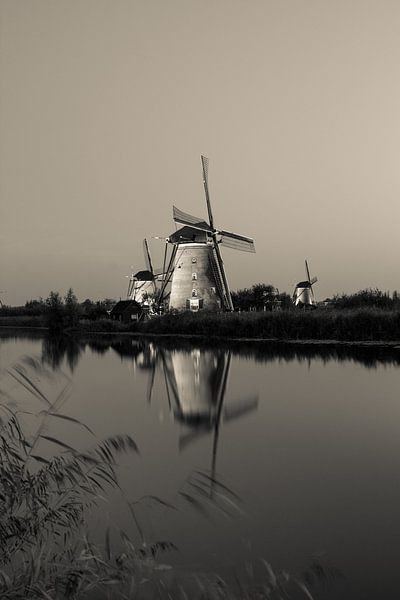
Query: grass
[(345, 325), (363, 324), (22, 321)]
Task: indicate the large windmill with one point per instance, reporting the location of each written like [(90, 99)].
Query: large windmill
[(143, 283), (195, 269), (303, 294)]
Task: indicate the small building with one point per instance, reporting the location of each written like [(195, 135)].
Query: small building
[(127, 311)]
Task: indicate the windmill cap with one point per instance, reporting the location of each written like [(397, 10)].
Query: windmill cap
[(144, 276), (303, 284), (188, 234)]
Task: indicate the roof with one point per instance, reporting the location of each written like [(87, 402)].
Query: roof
[(144, 276), (188, 234), (303, 284), (126, 306)]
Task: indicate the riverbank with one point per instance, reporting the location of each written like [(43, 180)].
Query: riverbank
[(361, 326)]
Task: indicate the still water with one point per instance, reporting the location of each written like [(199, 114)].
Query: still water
[(265, 452)]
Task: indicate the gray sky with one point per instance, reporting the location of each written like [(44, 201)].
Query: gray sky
[(106, 107)]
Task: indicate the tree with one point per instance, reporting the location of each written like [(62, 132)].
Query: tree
[(71, 309), (257, 297), (55, 312)]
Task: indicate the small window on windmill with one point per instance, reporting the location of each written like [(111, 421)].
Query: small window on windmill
[(194, 260), (194, 276), (212, 290), (194, 293)]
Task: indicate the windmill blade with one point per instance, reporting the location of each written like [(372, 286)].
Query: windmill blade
[(185, 219), (204, 162), (168, 274), (226, 294), (236, 241), (193, 435), (165, 257), (307, 271), (130, 287), (313, 280), (147, 257), (240, 408), (151, 383)]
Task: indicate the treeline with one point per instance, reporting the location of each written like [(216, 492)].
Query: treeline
[(58, 312), (368, 298), (261, 296)]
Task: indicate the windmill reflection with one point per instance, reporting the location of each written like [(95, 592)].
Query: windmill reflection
[(196, 385)]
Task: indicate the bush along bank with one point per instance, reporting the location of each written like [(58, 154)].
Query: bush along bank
[(352, 325), (358, 325)]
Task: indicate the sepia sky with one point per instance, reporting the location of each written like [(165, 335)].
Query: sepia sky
[(107, 105)]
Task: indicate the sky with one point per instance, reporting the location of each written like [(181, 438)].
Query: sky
[(107, 105)]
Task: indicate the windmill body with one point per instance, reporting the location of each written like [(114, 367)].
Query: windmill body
[(194, 281), (303, 294), (196, 269)]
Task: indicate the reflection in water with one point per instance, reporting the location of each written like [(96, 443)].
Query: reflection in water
[(144, 350), (56, 349), (195, 385)]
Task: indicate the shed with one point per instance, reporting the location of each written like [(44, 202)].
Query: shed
[(126, 311)]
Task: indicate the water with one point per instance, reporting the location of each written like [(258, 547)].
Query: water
[(305, 440)]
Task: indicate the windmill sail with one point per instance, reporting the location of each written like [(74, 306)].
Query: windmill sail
[(216, 270), (186, 219), (204, 162), (147, 257), (236, 241), (221, 278)]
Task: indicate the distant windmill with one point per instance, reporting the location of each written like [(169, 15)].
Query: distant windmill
[(143, 282), (195, 269), (303, 294)]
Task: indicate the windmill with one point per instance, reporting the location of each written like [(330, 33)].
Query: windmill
[(195, 268), (303, 294), (142, 283)]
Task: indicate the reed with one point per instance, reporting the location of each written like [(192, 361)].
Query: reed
[(43, 501)]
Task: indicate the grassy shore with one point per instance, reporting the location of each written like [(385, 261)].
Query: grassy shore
[(353, 325), (366, 324)]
